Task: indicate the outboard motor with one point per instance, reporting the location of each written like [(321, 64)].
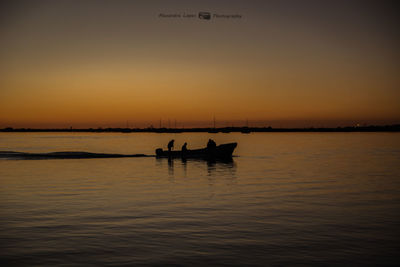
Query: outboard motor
[(159, 152)]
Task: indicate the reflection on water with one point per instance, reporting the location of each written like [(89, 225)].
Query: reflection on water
[(171, 167), (308, 199), (213, 168)]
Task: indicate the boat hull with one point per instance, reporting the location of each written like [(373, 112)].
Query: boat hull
[(223, 151)]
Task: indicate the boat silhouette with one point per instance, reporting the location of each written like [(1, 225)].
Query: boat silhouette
[(223, 151)]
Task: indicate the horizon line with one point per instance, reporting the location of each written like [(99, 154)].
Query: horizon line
[(243, 129)]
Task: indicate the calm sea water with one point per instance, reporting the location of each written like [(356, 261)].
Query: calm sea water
[(286, 199)]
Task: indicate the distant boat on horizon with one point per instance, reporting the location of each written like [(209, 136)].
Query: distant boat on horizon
[(245, 130), (214, 130)]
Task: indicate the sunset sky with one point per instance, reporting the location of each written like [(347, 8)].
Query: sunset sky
[(288, 63)]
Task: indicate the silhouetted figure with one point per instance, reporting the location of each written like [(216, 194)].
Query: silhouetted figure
[(211, 144), (170, 145), (184, 148)]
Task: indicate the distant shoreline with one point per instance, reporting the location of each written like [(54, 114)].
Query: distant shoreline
[(244, 130)]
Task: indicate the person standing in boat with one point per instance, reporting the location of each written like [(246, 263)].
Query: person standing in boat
[(170, 145), (211, 144), (184, 150), (184, 147)]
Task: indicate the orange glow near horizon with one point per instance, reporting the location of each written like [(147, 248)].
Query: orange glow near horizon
[(139, 68)]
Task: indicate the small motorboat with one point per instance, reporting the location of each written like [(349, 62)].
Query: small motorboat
[(223, 151)]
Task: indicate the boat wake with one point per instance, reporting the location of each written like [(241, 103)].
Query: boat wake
[(66, 155)]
